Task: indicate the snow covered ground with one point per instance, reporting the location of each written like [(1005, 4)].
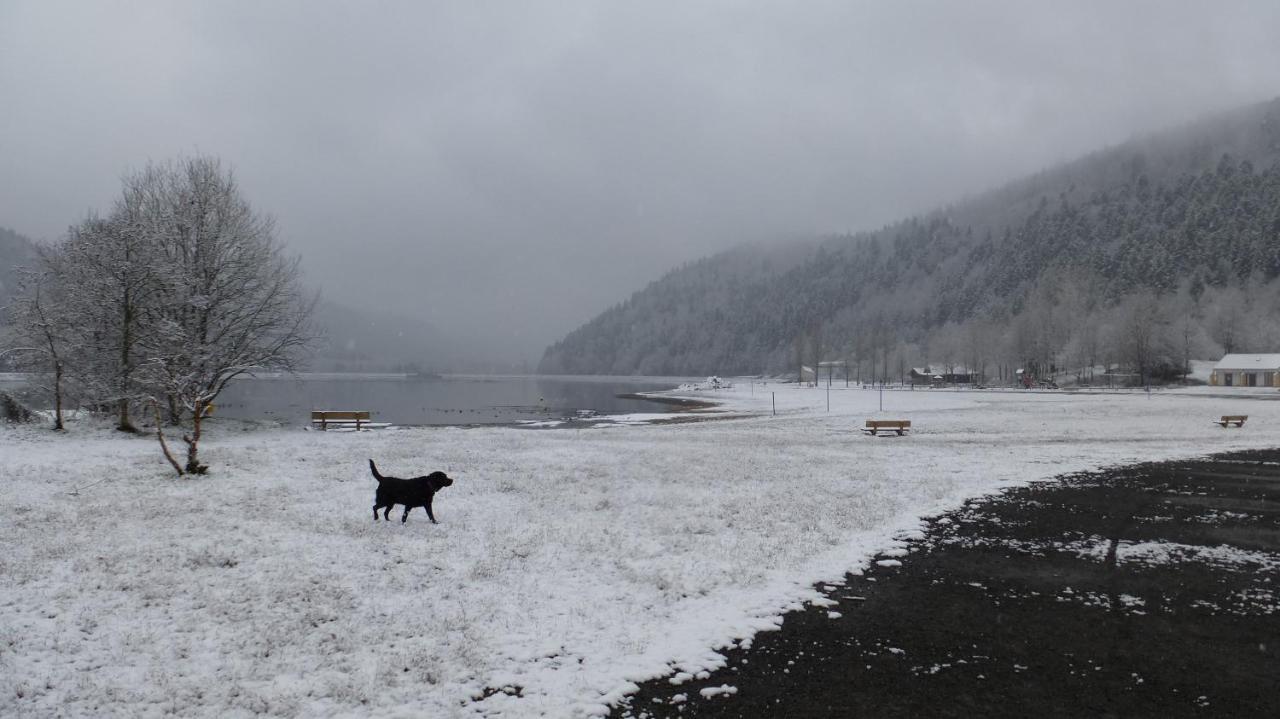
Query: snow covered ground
[(568, 563)]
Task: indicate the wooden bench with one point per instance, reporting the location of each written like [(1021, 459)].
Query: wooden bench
[(340, 418), (874, 426), (1230, 419)]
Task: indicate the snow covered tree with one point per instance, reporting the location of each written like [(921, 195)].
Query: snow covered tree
[(1142, 334), (108, 264), (44, 329), (226, 300)]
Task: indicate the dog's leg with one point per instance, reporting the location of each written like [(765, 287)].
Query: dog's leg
[(387, 514), (405, 518), (430, 515), (375, 512)]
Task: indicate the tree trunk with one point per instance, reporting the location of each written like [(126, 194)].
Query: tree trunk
[(124, 425), (193, 442), (57, 397), (164, 446), (817, 353), (800, 359)]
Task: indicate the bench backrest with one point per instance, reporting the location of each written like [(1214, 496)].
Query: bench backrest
[(1234, 417), (881, 423), (322, 415)]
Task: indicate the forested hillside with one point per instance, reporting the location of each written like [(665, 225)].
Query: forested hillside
[(15, 251), (1138, 256)]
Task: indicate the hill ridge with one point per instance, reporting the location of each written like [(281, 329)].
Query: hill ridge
[(1188, 218)]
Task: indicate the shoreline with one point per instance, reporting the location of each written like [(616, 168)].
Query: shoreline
[(1077, 596), (681, 404)]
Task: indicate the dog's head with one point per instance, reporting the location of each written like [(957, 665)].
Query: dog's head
[(438, 480)]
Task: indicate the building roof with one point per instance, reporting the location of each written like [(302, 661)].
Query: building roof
[(935, 370), (1242, 361)]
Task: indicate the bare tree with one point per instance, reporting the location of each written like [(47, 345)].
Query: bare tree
[(108, 263), (1188, 334), (799, 343), (1143, 333), (1228, 306), (41, 322), (981, 339), (227, 300)]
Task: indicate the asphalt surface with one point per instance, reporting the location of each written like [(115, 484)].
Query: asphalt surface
[(1150, 590)]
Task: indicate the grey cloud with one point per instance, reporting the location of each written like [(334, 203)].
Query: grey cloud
[(510, 169)]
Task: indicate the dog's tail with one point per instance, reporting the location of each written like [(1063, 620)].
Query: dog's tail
[(374, 468)]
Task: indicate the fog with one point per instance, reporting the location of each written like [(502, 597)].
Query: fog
[(505, 171)]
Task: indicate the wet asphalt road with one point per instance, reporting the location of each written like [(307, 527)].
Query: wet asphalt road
[(1151, 590)]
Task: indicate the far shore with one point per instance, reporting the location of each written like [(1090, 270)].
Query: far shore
[(678, 404)]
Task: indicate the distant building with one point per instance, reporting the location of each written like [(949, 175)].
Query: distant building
[(932, 374), (1240, 370), (921, 375)]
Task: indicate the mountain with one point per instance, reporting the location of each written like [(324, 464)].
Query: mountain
[(1049, 270), (15, 251), (353, 339)]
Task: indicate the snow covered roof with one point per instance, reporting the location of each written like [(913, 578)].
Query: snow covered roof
[(937, 370), (1242, 361)]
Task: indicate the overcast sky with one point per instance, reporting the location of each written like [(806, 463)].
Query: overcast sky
[(518, 167)]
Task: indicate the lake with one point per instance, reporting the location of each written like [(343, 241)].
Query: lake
[(450, 399)]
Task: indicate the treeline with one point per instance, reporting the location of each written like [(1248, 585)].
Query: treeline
[(158, 304), (16, 251), (1116, 260)]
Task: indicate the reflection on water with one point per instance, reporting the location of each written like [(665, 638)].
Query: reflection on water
[(450, 399)]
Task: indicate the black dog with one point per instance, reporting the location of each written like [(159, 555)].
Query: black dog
[(414, 492)]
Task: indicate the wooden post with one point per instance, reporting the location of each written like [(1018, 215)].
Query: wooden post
[(775, 403)]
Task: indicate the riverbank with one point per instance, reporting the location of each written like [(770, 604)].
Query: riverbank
[(567, 568)]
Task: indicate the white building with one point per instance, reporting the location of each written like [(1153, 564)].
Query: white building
[(1246, 371)]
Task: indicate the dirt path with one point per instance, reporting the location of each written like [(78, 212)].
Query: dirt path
[(1151, 590)]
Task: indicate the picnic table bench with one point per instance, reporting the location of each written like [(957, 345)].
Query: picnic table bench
[(344, 419), (1230, 419), (874, 426)]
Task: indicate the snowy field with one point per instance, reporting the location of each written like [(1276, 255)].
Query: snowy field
[(568, 563)]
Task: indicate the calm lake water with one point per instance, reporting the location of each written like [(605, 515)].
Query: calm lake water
[(452, 399)]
